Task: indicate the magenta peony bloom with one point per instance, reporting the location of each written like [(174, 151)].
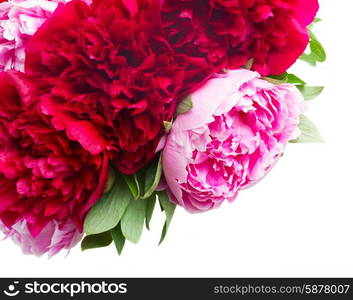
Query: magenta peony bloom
[(109, 65), (236, 131), (53, 238), (19, 20), (45, 176)]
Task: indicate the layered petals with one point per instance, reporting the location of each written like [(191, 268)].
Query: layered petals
[(210, 35), (44, 176), (109, 70), (230, 139), (54, 237), (19, 20)]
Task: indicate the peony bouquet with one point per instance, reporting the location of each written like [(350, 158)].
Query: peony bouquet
[(109, 106)]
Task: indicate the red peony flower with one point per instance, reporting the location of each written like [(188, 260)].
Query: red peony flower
[(108, 64), (226, 33), (43, 175)]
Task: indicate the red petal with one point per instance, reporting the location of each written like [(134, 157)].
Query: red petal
[(100, 188), (131, 6), (306, 11)]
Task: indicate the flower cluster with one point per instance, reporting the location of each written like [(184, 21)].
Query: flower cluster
[(19, 20), (226, 34), (43, 175), (108, 105)]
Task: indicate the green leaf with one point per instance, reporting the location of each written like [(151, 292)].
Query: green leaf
[(249, 64), (294, 79), (131, 181), (310, 133), (110, 181), (316, 20), (152, 176), (96, 241), (280, 77), (169, 209), (167, 125), (151, 202), (274, 80), (184, 106), (277, 79), (317, 51), (118, 238), (140, 179), (285, 78), (309, 58), (107, 212), (310, 92), (133, 220)]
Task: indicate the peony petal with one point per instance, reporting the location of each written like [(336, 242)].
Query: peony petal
[(131, 6), (86, 134), (307, 12), (54, 237), (44, 177), (207, 99), (95, 196), (237, 142)]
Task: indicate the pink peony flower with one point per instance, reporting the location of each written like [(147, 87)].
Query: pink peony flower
[(19, 20), (235, 132), (53, 238)]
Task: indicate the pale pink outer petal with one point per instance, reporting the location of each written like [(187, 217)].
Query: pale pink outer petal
[(161, 143), (217, 95), (19, 20), (174, 163), (238, 122), (55, 237), (208, 98), (66, 236)]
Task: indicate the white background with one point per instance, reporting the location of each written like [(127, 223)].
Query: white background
[(297, 222)]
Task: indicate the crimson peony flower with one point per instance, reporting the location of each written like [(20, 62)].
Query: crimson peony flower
[(44, 176), (108, 64), (226, 34)]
